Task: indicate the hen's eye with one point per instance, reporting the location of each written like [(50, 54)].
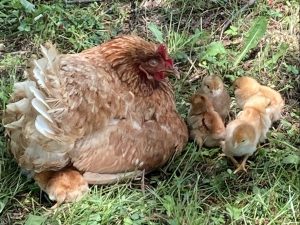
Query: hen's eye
[(153, 62)]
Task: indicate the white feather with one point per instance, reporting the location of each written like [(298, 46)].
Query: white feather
[(44, 51), (41, 108), (49, 54), (42, 63), (16, 124), (43, 127), (40, 156), (39, 95), (39, 76), (23, 87), (113, 122), (21, 106)]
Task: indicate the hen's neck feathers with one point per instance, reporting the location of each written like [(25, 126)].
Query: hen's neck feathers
[(124, 54)]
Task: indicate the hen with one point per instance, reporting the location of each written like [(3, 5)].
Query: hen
[(247, 87), (95, 116), (205, 124)]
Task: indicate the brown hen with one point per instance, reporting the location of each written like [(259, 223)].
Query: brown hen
[(104, 112)]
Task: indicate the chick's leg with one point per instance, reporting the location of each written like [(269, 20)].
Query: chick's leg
[(66, 185), (225, 153), (233, 160), (242, 166), (197, 136)]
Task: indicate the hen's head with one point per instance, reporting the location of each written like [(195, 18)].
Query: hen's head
[(157, 65), (142, 58)]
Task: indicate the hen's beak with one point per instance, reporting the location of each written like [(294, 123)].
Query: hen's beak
[(174, 71)]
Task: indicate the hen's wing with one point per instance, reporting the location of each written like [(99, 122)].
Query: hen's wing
[(123, 147)]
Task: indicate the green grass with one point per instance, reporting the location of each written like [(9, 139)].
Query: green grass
[(197, 187)]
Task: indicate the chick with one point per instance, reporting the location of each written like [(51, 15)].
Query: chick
[(255, 111), (276, 104), (205, 124), (60, 185), (240, 141), (247, 87), (213, 87), (246, 131)]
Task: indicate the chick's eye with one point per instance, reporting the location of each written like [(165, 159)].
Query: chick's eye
[(153, 62)]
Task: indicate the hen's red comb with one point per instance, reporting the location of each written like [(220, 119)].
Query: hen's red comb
[(162, 50)]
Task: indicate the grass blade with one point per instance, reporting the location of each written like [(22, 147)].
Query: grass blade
[(282, 50), (254, 35), (156, 32), (35, 220)]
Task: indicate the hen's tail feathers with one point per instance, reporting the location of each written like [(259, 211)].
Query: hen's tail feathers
[(36, 140), (31, 98)]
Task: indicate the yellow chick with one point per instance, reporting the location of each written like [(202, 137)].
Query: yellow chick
[(240, 141), (246, 131), (247, 87), (205, 124), (255, 111), (59, 185), (212, 86)]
